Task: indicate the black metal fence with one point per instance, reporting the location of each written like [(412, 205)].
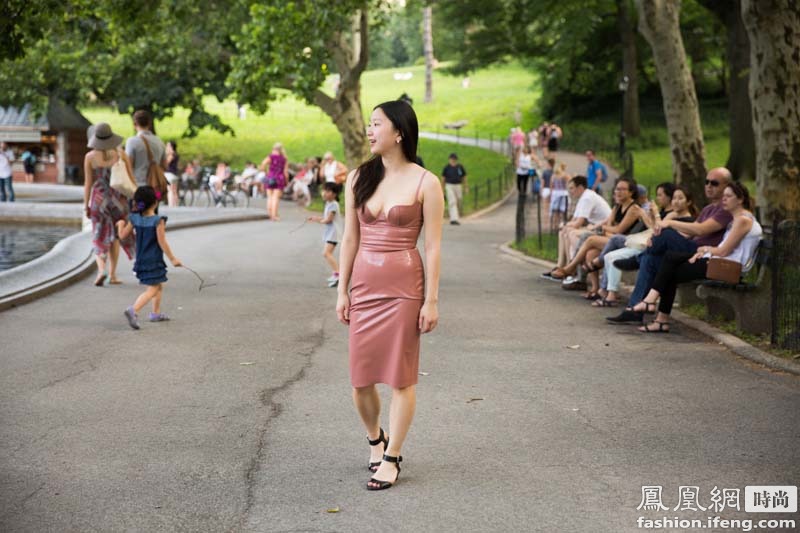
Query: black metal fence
[(489, 191), (785, 297)]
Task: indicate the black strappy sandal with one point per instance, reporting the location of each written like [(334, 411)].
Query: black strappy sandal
[(386, 484), (649, 307), (661, 328), (604, 302), (373, 467)]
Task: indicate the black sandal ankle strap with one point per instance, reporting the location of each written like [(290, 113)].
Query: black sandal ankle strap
[(390, 459), (376, 441)]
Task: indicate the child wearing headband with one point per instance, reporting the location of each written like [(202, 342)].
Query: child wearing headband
[(151, 245)]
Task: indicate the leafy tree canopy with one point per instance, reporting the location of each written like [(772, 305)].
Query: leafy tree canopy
[(137, 54)]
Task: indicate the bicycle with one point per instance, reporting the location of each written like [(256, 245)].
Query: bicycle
[(207, 196)]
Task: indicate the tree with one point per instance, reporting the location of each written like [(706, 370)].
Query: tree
[(427, 22), (630, 68), (659, 24), (277, 49), (774, 30), (742, 158), (145, 54)]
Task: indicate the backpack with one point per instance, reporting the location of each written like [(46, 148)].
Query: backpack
[(604, 173)]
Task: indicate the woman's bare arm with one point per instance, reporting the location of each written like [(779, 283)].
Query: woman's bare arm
[(433, 212), (350, 237), (88, 180)]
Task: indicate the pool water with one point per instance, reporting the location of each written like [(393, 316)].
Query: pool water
[(23, 242)]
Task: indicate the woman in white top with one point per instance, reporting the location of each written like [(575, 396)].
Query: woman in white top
[(524, 166), (333, 170), (738, 244)]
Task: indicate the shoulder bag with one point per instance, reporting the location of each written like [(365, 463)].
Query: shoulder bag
[(120, 179), (720, 269), (155, 174)]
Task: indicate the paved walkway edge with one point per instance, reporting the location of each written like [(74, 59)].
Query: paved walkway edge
[(735, 344), (76, 271)]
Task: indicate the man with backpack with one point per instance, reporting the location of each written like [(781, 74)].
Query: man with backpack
[(137, 146), (596, 173)]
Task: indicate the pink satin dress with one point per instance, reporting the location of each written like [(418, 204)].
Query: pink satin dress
[(386, 295)]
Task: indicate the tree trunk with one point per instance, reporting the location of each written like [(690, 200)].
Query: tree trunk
[(774, 30), (627, 33), (345, 107), (427, 32), (658, 23), (742, 158)]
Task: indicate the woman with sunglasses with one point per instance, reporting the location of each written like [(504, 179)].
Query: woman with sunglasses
[(738, 244)]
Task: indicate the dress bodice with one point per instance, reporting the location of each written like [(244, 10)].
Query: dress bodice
[(399, 230)]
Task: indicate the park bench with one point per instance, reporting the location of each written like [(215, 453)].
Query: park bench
[(746, 302), (457, 125)]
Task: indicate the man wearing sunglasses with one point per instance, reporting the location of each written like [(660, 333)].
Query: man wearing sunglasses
[(707, 230)]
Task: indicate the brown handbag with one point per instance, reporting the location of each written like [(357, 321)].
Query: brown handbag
[(720, 269), (155, 174)]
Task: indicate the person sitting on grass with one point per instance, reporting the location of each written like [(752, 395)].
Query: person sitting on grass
[(739, 244)]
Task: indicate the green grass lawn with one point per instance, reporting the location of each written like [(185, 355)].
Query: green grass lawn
[(530, 246)]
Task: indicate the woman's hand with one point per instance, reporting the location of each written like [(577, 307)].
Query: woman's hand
[(696, 256), (176, 262), (428, 317), (343, 308)]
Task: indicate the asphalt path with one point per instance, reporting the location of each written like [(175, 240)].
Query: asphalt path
[(533, 415)]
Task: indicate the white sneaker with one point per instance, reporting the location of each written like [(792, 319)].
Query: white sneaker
[(333, 283), (333, 277)]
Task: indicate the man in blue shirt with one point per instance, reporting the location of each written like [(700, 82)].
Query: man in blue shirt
[(594, 172)]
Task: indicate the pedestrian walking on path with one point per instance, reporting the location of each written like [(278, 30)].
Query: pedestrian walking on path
[(277, 169), (104, 205), (393, 299), (454, 177), (151, 245)]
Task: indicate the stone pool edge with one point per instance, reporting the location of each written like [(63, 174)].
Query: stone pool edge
[(71, 260)]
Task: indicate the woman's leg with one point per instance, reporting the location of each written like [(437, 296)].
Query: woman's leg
[(613, 273), (401, 412), (172, 195), (368, 404), (276, 202), (101, 266), (327, 253), (522, 183), (269, 202), (113, 260), (595, 242)]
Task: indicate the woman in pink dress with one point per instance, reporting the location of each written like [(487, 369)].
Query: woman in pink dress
[(393, 299), (275, 165)]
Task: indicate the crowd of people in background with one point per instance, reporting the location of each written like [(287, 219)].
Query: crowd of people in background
[(667, 240)]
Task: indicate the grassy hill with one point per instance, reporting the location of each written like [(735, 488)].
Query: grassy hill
[(490, 104)]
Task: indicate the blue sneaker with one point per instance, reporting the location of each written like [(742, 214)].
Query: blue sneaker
[(158, 317)]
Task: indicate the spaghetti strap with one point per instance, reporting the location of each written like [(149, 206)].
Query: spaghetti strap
[(419, 185)]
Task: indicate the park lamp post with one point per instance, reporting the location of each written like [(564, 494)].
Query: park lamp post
[(623, 88)]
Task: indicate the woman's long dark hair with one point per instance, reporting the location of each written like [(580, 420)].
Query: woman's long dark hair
[(741, 193), (690, 205), (370, 173)]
